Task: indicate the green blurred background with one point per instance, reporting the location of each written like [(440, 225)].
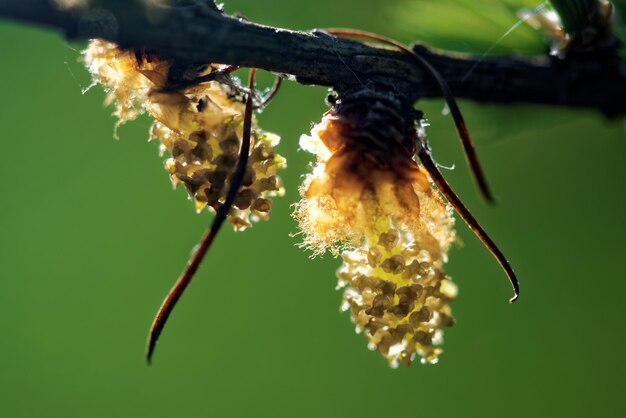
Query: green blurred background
[(92, 236)]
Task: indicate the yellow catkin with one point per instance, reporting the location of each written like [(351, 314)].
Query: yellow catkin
[(397, 292), (399, 230), (199, 128)]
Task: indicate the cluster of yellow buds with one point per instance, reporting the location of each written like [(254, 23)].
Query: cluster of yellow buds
[(398, 293), (400, 230), (200, 126)]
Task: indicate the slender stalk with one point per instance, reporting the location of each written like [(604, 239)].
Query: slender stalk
[(188, 274), (461, 209)]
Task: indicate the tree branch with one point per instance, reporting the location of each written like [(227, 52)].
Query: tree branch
[(194, 31)]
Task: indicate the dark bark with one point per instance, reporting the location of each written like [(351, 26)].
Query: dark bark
[(196, 32)]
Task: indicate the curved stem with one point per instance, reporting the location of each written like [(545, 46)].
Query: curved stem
[(275, 87), (192, 266), (467, 216)]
